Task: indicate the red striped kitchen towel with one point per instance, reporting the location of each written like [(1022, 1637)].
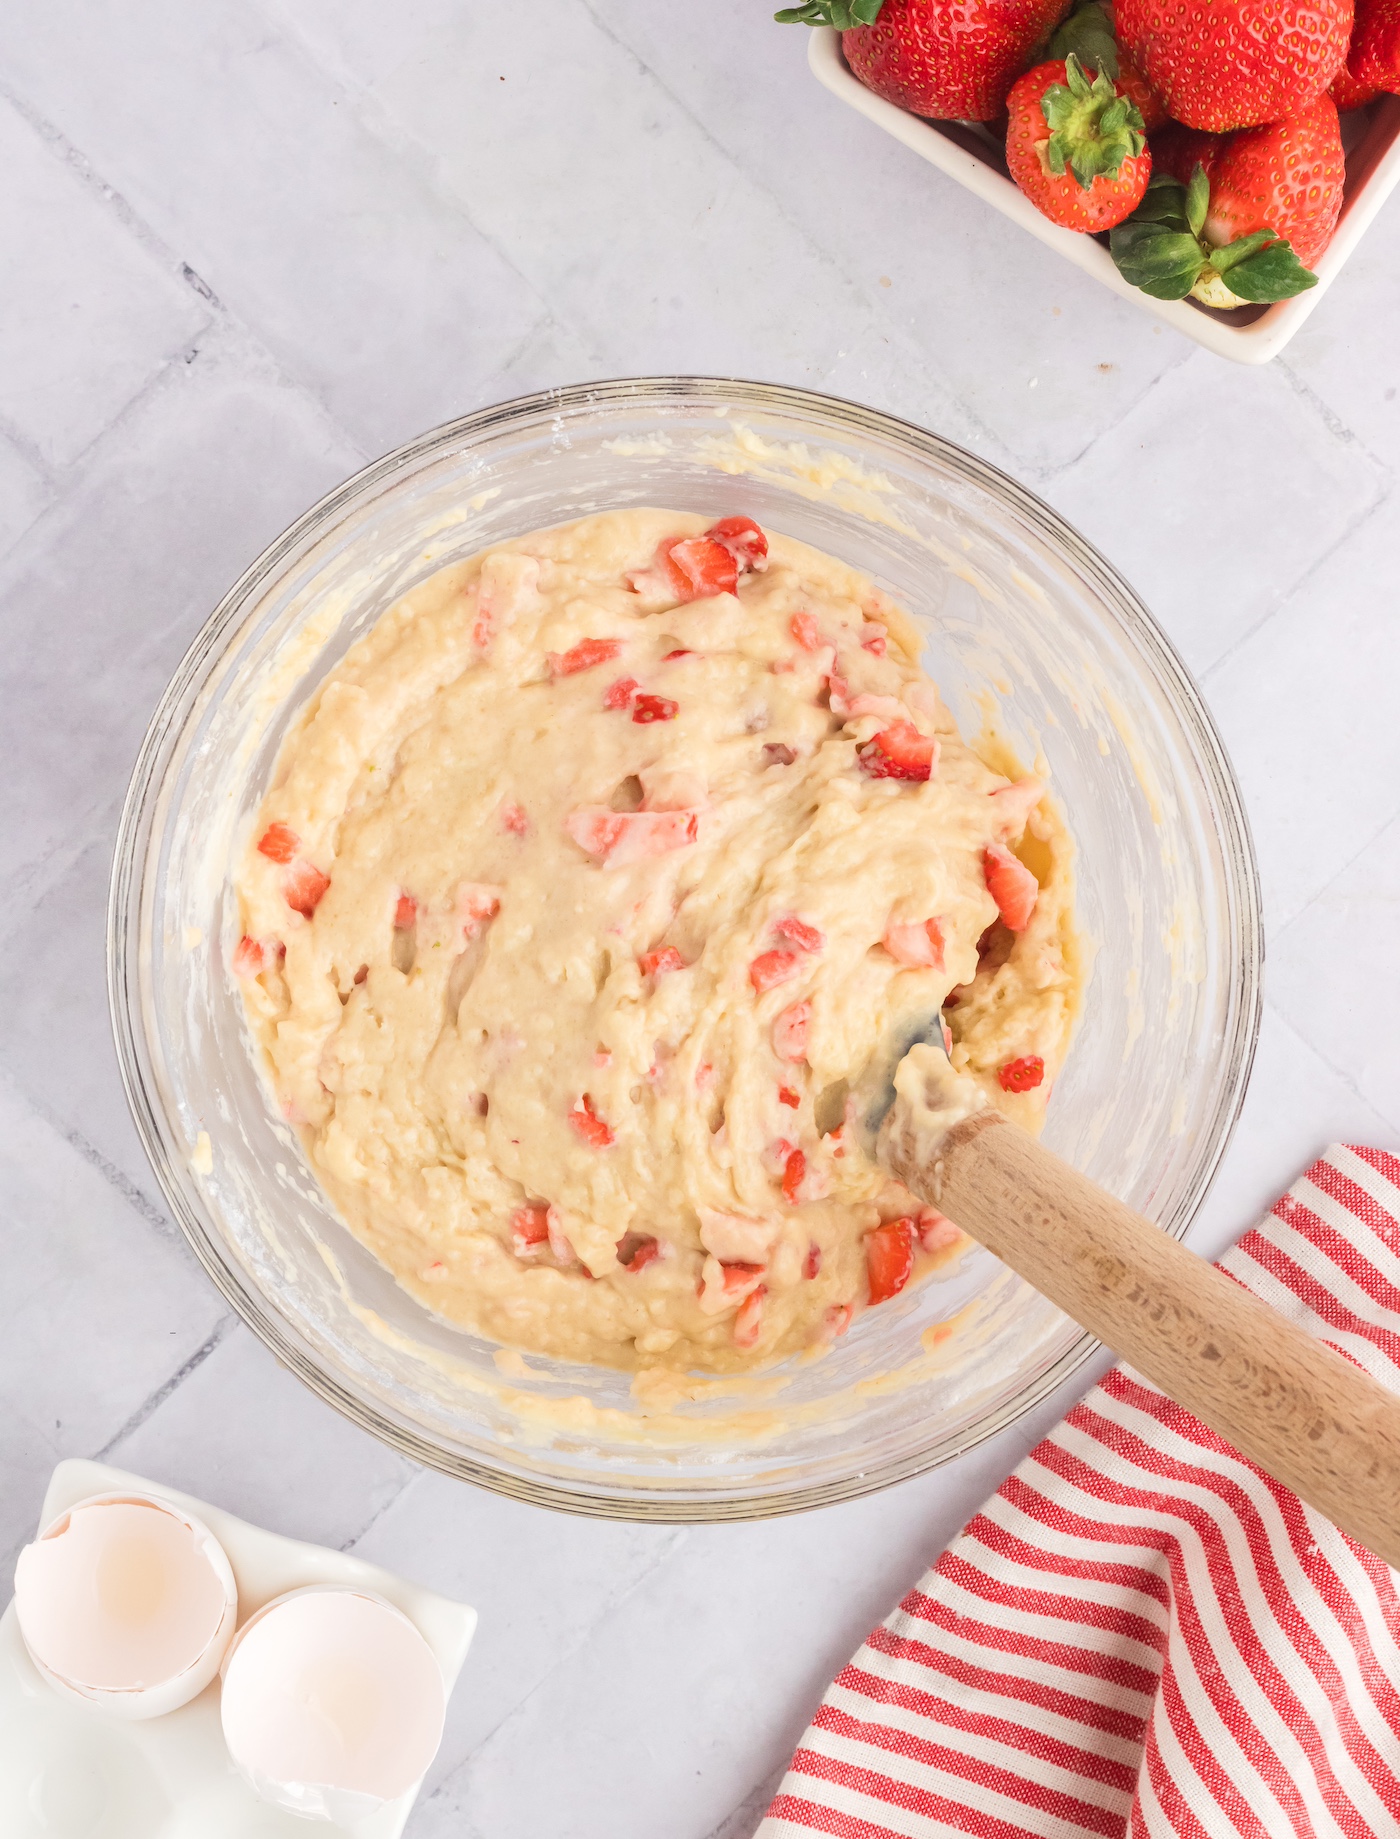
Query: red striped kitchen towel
[(1140, 1633)]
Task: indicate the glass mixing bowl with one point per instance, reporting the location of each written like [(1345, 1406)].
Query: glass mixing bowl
[(1020, 615)]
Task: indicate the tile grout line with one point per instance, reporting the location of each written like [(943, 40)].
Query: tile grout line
[(71, 156), (560, 1659), (1331, 419), (1384, 497), (222, 1329), (1345, 1077)]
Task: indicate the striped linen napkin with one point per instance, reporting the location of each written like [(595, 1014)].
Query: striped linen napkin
[(1140, 1634)]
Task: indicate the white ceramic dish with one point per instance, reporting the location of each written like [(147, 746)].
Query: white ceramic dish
[(68, 1771), (1249, 335)]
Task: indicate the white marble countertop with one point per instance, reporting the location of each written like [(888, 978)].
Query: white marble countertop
[(252, 243)]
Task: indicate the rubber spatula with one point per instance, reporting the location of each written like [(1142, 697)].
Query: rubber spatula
[(1305, 1415)]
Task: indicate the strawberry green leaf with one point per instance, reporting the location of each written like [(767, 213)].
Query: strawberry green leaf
[(1163, 202), (1092, 128), (843, 14), (1088, 35), (1162, 262), (1222, 260), (1269, 273), (1197, 200)]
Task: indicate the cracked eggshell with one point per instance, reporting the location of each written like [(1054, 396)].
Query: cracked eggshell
[(333, 1703), (127, 1603)]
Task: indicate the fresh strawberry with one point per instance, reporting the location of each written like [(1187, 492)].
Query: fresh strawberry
[(278, 843), (797, 932), (1236, 63), (1178, 151), (889, 1258), (622, 837), (619, 695), (1285, 179), (951, 59), (917, 944), (794, 1174), (838, 1320), (647, 708), (899, 752), (740, 1280), (812, 1263), (1022, 1075), (874, 638), (744, 540), (790, 1032), (1291, 171), (636, 1250), (670, 657), (936, 1231), (590, 1127), (1375, 45), (583, 656), (1349, 92), (748, 1322), (786, 1096), (303, 887), (251, 957), (777, 753), (405, 913), (657, 963), (514, 820), (473, 904), (1011, 885), (1076, 148), (770, 968)]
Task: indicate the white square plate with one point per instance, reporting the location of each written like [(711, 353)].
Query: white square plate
[(70, 1772), (1250, 335)]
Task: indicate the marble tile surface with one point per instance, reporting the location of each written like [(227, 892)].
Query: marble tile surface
[(251, 243)]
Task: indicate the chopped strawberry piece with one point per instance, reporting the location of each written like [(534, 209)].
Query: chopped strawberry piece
[(648, 708), (739, 1279), (748, 1322), (872, 639), (887, 708), (743, 539), (248, 960), (838, 1319), (797, 932), (559, 1243), (838, 695), (405, 913), (915, 943), (529, 1231), (794, 1173), (786, 1096), (680, 652), (636, 1250), (278, 843), (778, 753), (699, 568), (619, 694), (303, 887), (936, 1231), (591, 1128), (474, 903), (362, 974), (812, 1264), (1011, 885), (583, 656), (514, 820), (622, 837), (803, 627), (657, 963), (889, 1258), (900, 752), (1014, 804), (1022, 1075), (790, 1031), (771, 968)]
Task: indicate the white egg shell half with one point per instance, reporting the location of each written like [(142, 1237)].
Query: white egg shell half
[(127, 1603), (333, 1703)]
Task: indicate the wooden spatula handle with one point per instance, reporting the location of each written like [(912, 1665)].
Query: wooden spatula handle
[(1309, 1418)]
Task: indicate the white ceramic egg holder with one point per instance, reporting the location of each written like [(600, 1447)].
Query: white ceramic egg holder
[(68, 1771)]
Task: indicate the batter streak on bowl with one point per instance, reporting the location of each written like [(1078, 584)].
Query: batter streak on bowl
[(588, 879)]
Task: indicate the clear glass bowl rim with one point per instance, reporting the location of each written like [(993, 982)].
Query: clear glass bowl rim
[(181, 700)]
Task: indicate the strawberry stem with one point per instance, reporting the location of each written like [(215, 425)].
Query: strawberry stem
[(1092, 128)]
